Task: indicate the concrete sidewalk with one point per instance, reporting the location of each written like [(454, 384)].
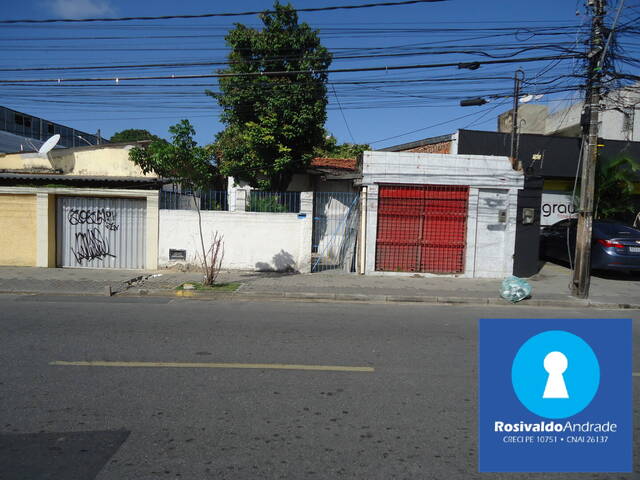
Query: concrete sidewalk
[(550, 286)]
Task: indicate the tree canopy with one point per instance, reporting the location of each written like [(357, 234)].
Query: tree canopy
[(274, 121), (183, 160), (614, 188), (133, 135), (333, 149)]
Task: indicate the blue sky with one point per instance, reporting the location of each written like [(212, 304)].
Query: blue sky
[(404, 106)]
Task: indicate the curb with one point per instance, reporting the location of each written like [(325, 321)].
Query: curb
[(70, 293), (365, 298), (239, 295)]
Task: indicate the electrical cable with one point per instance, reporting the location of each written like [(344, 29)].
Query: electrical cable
[(423, 128), (343, 115), (294, 72), (228, 14)]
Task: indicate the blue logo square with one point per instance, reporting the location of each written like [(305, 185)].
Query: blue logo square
[(555, 395)]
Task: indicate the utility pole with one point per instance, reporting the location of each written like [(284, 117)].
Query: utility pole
[(582, 268), (514, 116)]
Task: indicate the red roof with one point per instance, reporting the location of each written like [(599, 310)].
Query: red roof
[(341, 163)]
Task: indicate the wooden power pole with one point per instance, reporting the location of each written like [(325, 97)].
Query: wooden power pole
[(517, 80), (582, 268)]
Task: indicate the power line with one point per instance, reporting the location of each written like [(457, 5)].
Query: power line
[(516, 30), (342, 112), (424, 128), (419, 52), (295, 72), (227, 14)]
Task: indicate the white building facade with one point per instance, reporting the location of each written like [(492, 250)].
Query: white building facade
[(437, 214)]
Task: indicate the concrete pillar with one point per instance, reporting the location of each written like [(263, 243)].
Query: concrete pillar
[(153, 224), (306, 203), (510, 236), (45, 230), (241, 200), (371, 212), (306, 231), (472, 232), (362, 233), (231, 194), (237, 195)]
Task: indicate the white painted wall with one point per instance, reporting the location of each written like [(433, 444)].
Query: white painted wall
[(566, 121), (611, 118), (486, 176), (563, 120), (494, 239), (252, 241)]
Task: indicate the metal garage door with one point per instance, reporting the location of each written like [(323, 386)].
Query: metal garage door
[(101, 232), (422, 228)]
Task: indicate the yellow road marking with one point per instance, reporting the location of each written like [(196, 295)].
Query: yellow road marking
[(184, 293), (259, 366)]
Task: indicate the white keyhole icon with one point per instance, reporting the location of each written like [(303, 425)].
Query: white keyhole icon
[(555, 363)]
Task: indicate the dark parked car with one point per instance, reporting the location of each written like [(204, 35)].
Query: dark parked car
[(614, 246)]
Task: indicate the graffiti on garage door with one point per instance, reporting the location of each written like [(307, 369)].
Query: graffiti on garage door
[(101, 232)]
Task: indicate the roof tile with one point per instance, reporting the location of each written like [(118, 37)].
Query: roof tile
[(341, 163)]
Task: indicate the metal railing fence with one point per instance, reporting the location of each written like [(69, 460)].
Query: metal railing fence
[(207, 200), (273, 202)]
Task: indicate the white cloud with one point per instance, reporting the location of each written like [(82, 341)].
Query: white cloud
[(80, 8)]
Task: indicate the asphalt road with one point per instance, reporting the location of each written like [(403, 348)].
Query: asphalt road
[(413, 416)]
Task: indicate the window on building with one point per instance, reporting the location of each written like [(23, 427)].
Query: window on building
[(22, 120), (50, 128)]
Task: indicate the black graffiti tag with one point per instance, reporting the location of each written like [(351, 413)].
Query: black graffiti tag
[(93, 217), (90, 246)]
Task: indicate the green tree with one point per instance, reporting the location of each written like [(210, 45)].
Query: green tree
[(333, 149), (273, 120), (185, 163), (615, 187), (133, 135)]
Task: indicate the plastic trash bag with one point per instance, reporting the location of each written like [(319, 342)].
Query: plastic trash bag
[(514, 289)]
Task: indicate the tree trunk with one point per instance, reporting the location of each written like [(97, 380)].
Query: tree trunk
[(204, 252)]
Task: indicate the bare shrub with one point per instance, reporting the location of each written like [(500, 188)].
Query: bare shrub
[(215, 254)]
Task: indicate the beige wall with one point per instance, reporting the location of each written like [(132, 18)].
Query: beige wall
[(109, 162), (531, 119), (45, 230), (18, 231), (106, 161)]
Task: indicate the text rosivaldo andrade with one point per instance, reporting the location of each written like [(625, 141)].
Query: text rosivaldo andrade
[(552, 426)]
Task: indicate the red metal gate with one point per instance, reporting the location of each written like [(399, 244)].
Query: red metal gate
[(422, 228)]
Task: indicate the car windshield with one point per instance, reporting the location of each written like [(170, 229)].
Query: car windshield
[(615, 229)]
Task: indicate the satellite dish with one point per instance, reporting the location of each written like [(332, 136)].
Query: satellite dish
[(49, 144), (30, 143), (526, 98)]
